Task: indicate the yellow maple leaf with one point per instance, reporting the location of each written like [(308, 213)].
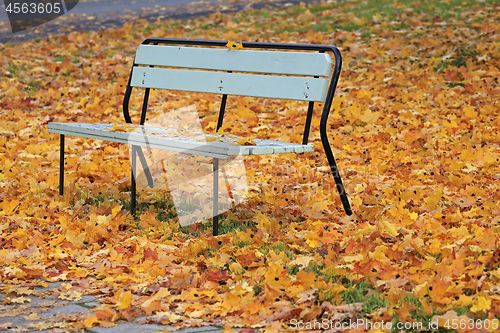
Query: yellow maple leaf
[(276, 275), (115, 211), (236, 268), (90, 322), (482, 304), (228, 329), (76, 239), (94, 104), (246, 142), (32, 316), (234, 45), (306, 279), (301, 262), (196, 313), (168, 317), (350, 259), (10, 206), (118, 127), (124, 301), (379, 254), (450, 124), (465, 300), (370, 117), (390, 228), (312, 239), (355, 111), (162, 293), (20, 300), (93, 166), (123, 128), (422, 289), (470, 112), (413, 215), (71, 296)]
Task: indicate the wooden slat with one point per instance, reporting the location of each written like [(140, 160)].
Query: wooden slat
[(271, 62), (281, 87), (167, 139)]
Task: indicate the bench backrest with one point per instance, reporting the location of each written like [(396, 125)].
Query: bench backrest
[(227, 71), (304, 76)]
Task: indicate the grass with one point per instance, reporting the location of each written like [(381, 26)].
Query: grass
[(457, 59), (363, 292), (226, 225), (33, 85), (164, 207), (363, 15)]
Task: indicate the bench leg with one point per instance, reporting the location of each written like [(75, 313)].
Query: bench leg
[(338, 181), (215, 219), (133, 185), (61, 166), (145, 167), (334, 169)]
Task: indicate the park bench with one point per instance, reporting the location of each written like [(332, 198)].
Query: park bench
[(267, 70)]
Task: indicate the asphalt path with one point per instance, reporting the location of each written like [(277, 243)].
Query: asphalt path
[(110, 6), (105, 14), (117, 6)]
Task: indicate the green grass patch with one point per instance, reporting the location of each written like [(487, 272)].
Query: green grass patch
[(367, 16), (363, 292), (164, 208)]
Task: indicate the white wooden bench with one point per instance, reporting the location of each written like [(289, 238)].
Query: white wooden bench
[(211, 67)]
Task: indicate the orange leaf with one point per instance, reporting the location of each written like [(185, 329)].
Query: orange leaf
[(124, 301), (90, 322)]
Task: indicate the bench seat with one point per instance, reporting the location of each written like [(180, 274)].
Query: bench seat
[(196, 143)]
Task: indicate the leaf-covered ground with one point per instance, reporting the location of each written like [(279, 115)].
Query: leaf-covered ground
[(415, 133)]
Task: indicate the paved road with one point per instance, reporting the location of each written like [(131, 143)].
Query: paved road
[(106, 6), (117, 6), (48, 311), (104, 14)]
